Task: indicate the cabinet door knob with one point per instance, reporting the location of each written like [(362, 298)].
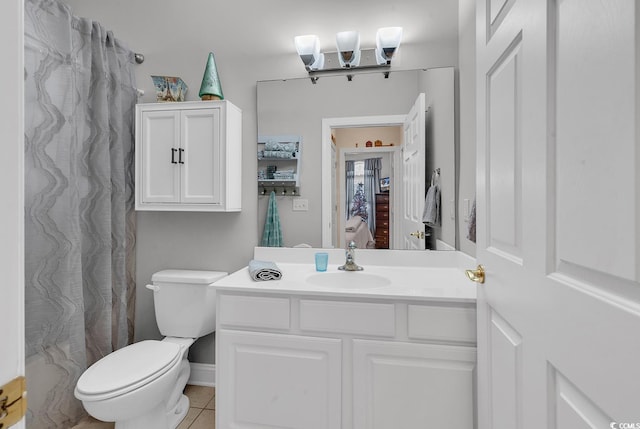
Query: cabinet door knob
[(180, 161), (173, 156)]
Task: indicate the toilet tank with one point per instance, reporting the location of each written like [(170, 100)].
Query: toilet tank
[(185, 302)]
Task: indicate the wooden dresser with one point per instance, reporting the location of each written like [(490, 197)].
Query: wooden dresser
[(382, 221)]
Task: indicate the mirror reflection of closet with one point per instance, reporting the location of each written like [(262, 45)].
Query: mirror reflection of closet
[(351, 155)]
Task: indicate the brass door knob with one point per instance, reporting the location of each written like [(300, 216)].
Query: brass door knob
[(419, 234), (476, 275)]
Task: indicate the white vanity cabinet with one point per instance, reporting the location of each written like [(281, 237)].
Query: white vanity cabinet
[(305, 361), (188, 156)]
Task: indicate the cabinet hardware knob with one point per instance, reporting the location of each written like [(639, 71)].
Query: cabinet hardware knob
[(476, 275)]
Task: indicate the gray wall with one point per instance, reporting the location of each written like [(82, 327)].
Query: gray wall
[(438, 86), (467, 118), (175, 38)]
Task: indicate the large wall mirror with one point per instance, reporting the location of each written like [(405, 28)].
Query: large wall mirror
[(358, 141)]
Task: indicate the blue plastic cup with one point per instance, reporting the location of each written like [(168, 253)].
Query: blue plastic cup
[(322, 259)]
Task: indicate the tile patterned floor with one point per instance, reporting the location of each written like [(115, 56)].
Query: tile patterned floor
[(201, 415)]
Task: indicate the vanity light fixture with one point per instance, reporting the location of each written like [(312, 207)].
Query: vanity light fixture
[(348, 43), (387, 41), (349, 57), (308, 48)]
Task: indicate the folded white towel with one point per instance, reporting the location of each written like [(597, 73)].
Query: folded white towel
[(277, 146), (264, 270)]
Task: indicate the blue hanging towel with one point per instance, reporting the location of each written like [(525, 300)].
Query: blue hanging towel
[(272, 236)]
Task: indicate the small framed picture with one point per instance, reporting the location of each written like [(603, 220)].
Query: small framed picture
[(384, 184)]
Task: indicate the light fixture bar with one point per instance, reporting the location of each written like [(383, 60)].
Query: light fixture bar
[(349, 57), (367, 61)]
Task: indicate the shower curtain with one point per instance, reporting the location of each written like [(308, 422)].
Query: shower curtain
[(79, 212)]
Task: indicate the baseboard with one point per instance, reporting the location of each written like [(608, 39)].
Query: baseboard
[(441, 245), (202, 374)]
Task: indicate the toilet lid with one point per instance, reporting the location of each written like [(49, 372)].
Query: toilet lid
[(128, 368)]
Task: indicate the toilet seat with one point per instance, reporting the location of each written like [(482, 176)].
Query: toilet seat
[(127, 369)]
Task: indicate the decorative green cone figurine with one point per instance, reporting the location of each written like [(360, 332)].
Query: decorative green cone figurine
[(210, 88)]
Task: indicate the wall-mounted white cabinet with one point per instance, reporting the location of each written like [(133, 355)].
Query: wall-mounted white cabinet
[(188, 156)]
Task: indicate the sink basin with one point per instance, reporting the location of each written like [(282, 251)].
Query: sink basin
[(348, 280)]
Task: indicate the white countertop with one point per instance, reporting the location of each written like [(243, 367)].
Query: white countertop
[(442, 284)]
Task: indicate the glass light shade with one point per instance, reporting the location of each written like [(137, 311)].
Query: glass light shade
[(308, 48), (387, 41), (348, 43)]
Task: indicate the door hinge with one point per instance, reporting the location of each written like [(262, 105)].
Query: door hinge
[(13, 402)]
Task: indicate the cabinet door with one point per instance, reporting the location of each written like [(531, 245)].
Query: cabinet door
[(408, 386), (160, 174), (277, 381), (200, 154)]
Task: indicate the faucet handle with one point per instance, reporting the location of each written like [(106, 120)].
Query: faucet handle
[(352, 245)]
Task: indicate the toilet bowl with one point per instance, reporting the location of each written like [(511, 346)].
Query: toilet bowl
[(140, 386)]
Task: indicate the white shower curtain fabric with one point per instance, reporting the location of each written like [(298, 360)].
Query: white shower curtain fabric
[(79, 213)]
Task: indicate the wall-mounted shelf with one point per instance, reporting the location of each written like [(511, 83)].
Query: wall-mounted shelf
[(279, 164)]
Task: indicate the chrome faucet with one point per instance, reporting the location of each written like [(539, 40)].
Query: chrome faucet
[(350, 263)]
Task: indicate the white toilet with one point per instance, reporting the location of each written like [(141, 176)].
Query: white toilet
[(140, 386)]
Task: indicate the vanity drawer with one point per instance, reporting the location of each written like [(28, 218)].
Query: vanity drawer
[(381, 208), (442, 323), (382, 233), (382, 215), (382, 198), (253, 311), (382, 223), (361, 318), (382, 242)]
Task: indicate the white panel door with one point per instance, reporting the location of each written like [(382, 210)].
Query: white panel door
[(200, 156), (558, 214), (160, 156), (413, 178), (409, 386), (278, 381), (12, 213)]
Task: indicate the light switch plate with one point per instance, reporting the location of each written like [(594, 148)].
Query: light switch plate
[(300, 205)]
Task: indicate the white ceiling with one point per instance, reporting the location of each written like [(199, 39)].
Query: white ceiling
[(270, 26), (173, 35)]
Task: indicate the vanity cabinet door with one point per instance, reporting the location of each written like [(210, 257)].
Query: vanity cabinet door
[(278, 381), (407, 385)]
